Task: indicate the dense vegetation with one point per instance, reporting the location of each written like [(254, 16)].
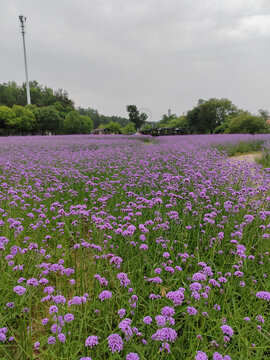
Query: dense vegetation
[(219, 116), (50, 112)]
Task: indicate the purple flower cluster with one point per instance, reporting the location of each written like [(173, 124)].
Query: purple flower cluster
[(91, 341), (165, 334), (104, 295), (227, 330), (20, 290), (115, 343), (263, 295)]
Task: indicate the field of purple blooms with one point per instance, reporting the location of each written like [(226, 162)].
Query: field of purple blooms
[(128, 247)]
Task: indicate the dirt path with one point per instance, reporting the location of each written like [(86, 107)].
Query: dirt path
[(246, 157)]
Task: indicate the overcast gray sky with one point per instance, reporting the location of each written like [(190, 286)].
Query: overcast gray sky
[(156, 54)]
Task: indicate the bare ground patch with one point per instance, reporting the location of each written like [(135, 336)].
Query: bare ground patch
[(252, 157)]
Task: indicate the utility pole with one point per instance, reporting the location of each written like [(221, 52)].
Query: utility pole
[(22, 20)]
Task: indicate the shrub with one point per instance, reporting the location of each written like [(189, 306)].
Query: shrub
[(246, 124)]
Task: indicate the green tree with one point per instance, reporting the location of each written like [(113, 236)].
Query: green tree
[(11, 94), (23, 121), (129, 129), (166, 119), (180, 122), (104, 119), (62, 96), (86, 124), (193, 118), (135, 117), (72, 123), (114, 127), (264, 114), (93, 114), (246, 124), (122, 121), (48, 119), (48, 98), (209, 114), (221, 128), (6, 117), (146, 126), (101, 119)]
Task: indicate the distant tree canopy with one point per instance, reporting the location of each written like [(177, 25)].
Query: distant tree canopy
[(48, 119), (129, 129), (114, 127), (264, 114), (6, 116), (54, 112), (135, 117), (99, 119), (165, 120), (50, 112), (13, 94), (173, 121), (246, 123), (218, 116), (24, 119), (210, 114)]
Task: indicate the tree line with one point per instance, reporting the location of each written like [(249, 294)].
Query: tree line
[(54, 112), (218, 116), (51, 111)]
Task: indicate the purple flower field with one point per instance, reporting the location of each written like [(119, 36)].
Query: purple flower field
[(125, 247)]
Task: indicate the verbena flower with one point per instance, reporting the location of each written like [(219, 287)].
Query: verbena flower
[(167, 311), (91, 341), (226, 329), (124, 325), (121, 313), (161, 320), (45, 321), (201, 356), (51, 340), (20, 290), (132, 356), (176, 296), (3, 337), (263, 295), (61, 337), (56, 328), (68, 317), (191, 310), (115, 343), (53, 309), (105, 295), (165, 334), (147, 320), (32, 282), (59, 299)]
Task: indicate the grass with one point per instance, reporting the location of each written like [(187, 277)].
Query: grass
[(242, 147), (264, 160)]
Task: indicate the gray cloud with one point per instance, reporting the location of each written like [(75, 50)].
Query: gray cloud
[(155, 54)]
